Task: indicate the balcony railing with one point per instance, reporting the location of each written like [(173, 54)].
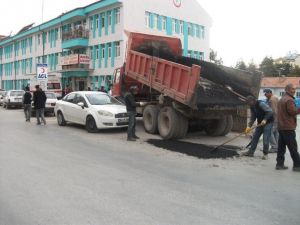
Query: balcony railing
[(75, 33)]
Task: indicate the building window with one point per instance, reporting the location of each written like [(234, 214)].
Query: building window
[(174, 25), (198, 31), (155, 21), (118, 16), (118, 49), (91, 23), (109, 51), (190, 27), (97, 52), (103, 51), (181, 27), (298, 94), (97, 19), (147, 19), (103, 21), (281, 93), (164, 23), (91, 53), (202, 32), (109, 18)]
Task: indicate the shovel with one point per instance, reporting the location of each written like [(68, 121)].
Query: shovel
[(232, 139)]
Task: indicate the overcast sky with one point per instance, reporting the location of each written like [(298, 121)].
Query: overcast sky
[(242, 29)]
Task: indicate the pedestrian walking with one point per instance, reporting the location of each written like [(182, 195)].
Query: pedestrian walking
[(39, 101), (27, 98), (262, 113), (272, 101), (287, 123), (131, 111)]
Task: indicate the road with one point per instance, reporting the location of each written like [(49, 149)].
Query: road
[(51, 175)]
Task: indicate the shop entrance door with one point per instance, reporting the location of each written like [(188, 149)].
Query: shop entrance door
[(81, 85)]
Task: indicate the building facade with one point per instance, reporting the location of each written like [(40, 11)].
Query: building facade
[(83, 46), (278, 84)]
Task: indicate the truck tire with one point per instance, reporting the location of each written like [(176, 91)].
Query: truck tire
[(229, 125), (167, 123), (150, 118), (216, 127), (182, 126)]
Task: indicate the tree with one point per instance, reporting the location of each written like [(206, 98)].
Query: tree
[(268, 68), (213, 57), (241, 65), (295, 71), (252, 67)]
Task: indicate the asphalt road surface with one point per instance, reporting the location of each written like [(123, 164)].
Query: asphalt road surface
[(51, 175)]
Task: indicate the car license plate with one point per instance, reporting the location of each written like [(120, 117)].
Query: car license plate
[(122, 120), (18, 100)]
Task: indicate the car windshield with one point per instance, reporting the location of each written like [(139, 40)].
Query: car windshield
[(16, 93), (50, 95), (2, 93), (102, 99)]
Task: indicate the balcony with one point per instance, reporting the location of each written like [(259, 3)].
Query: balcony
[(75, 65), (75, 38)]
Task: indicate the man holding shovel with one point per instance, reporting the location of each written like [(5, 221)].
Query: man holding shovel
[(263, 114)]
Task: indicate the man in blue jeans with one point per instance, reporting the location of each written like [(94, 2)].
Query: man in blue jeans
[(131, 111), (262, 113)]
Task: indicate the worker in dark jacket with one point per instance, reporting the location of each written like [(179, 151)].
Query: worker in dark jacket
[(39, 102), (262, 113), (287, 123), (27, 98), (131, 111)]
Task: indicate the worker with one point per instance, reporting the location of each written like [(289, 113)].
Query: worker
[(287, 123), (131, 111), (262, 113), (272, 101)]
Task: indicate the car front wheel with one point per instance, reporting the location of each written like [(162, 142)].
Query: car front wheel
[(60, 119), (90, 125)]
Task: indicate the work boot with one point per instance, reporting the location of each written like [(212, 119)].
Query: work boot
[(272, 150), (248, 154), (131, 139), (296, 169), (136, 137), (265, 157), (281, 167)]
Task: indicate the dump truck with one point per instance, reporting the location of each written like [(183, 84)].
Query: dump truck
[(179, 91)]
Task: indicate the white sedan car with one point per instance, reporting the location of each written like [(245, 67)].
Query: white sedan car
[(95, 110)]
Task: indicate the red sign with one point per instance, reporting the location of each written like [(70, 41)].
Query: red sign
[(84, 59)]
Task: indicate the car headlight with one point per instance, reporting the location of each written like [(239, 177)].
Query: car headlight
[(105, 113)]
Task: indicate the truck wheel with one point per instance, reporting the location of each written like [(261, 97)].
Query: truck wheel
[(229, 125), (182, 126), (150, 118), (216, 127), (90, 125), (167, 123)]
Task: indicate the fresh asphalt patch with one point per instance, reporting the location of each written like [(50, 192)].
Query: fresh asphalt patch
[(196, 150)]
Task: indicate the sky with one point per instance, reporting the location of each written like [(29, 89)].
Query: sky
[(242, 29)]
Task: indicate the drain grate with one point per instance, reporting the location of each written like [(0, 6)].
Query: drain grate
[(196, 150)]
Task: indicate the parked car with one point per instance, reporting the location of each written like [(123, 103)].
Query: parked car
[(95, 110), (50, 103), (2, 95), (13, 98)]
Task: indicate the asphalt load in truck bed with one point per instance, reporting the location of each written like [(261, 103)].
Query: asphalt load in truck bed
[(209, 93), (196, 150)]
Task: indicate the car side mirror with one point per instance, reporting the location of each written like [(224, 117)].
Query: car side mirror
[(81, 104)]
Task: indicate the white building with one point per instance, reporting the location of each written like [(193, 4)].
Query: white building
[(85, 45), (278, 84)]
